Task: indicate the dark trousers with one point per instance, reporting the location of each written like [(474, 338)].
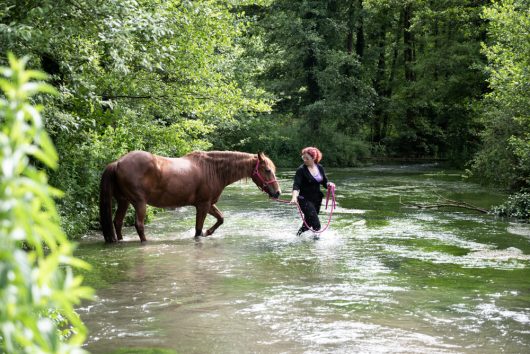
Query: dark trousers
[(310, 209)]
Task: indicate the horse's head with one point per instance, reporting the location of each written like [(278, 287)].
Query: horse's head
[(264, 176)]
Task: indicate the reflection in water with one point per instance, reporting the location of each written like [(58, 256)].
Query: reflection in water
[(383, 279)]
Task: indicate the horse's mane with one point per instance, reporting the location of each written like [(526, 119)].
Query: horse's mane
[(225, 166)]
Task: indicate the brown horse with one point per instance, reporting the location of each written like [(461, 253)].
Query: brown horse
[(140, 178)]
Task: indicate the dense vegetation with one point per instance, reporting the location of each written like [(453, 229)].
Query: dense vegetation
[(359, 78)]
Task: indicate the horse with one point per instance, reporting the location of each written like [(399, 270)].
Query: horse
[(196, 179)]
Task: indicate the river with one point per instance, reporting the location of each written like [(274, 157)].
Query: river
[(384, 278)]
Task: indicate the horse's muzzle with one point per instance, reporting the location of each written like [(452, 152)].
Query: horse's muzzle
[(275, 195)]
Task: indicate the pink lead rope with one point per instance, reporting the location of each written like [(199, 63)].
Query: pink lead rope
[(330, 193)]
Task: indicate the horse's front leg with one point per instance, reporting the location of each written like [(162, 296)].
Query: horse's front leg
[(202, 210), (215, 212)]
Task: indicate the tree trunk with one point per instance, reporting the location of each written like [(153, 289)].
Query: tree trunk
[(410, 78), (408, 41), (359, 44), (351, 27), (313, 89), (381, 88)]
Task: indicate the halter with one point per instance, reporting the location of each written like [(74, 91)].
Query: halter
[(264, 182)]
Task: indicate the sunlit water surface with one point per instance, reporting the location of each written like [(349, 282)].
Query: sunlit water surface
[(385, 278)]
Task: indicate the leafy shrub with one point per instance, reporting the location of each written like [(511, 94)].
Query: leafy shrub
[(517, 206), (505, 155), (342, 150), (37, 287)]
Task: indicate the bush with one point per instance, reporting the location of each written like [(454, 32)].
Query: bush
[(37, 287), (340, 150), (517, 206)]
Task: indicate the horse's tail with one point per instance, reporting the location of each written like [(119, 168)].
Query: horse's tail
[(106, 191)]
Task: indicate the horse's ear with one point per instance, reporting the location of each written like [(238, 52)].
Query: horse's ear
[(261, 156)]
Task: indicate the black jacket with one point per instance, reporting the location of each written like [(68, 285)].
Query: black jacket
[(307, 185)]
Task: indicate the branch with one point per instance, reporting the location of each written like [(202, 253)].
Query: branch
[(105, 97), (149, 97), (445, 202)]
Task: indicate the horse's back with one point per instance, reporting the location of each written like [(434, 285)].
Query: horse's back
[(157, 180), (136, 157)]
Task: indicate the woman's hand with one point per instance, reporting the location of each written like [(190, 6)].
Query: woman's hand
[(294, 199), (331, 184)]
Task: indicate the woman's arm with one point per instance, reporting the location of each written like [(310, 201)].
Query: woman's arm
[(294, 198), (298, 179), (324, 182), (297, 183)]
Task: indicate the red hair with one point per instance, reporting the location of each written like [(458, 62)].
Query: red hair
[(313, 152)]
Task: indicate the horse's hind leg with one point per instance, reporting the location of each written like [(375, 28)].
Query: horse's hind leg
[(140, 217), (123, 205), (215, 212)]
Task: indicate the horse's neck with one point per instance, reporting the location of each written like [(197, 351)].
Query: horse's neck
[(230, 167)]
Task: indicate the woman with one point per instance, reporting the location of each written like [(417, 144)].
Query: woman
[(306, 188)]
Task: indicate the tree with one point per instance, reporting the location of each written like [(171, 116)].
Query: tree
[(504, 158), (322, 94), (401, 75), (425, 64)]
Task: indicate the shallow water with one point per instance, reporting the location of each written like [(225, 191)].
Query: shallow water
[(385, 278)]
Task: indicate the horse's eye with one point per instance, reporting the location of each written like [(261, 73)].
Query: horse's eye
[(268, 170)]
